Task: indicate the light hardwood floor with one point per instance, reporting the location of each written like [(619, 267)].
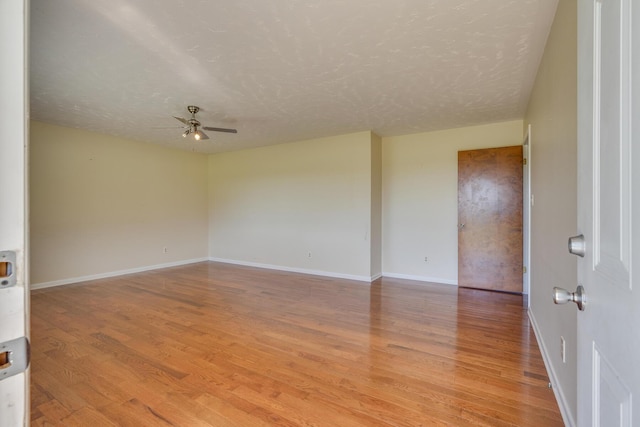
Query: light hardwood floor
[(212, 344)]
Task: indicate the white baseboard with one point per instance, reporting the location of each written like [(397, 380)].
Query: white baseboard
[(565, 411), (113, 274), (367, 279), (421, 278), (295, 270), (376, 276)]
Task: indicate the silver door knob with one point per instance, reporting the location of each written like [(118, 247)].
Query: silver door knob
[(577, 245), (563, 296)]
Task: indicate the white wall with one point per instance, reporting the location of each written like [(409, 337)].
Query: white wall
[(101, 205), (552, 113), (420, 197), (272, 206)]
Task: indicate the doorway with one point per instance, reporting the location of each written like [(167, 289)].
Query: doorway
[(490, 241)]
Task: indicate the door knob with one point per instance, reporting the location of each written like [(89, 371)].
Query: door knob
[(563, 296), (577, 246), (461, 226)]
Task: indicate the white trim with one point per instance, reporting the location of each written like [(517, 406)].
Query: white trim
[(376, 276), (14, 169), (565, 410), (114, 273), (526, 214), (295, 270), (421, 278)]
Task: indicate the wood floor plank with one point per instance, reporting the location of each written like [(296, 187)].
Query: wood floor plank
[(213, 344), (87, 416)]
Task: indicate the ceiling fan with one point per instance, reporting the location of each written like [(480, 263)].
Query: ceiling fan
[(193, 125)]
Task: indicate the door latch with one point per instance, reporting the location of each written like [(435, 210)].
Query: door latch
[(14, 357)]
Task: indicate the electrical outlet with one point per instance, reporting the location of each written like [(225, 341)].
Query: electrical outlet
[(426, 259), (563, 353), (309, 254), (165, 250)]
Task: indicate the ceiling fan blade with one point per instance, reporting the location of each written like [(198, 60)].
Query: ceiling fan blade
[(182, 120), (219, 129)]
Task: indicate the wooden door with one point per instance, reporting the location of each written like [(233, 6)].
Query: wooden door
[(490, 219), (608, 213)]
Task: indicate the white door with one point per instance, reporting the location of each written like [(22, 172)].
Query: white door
[(609, 212), (13, 278)]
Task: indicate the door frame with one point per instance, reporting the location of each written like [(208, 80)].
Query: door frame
[(526, 217), (14, 126)]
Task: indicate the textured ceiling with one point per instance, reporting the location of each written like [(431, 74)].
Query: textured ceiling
[(282, 70)]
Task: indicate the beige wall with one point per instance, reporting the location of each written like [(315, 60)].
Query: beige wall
[(273, 206), (552, 114), (101, 205), (420, 197), (376, 205)]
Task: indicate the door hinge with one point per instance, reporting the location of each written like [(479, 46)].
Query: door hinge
[(524, 269), (14, 357), (524, 161)]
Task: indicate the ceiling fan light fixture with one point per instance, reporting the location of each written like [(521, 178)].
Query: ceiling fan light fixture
[(192, 126)]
